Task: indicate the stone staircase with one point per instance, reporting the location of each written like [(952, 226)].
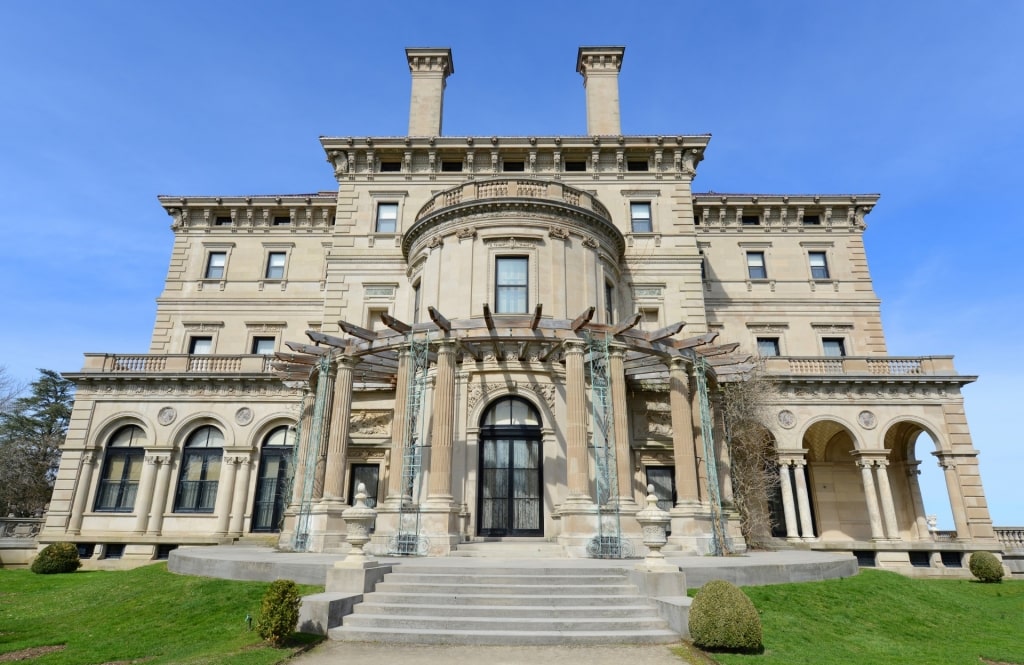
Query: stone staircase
[(510, 548), (506, 605)]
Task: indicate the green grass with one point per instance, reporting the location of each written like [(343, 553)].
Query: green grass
[(146, 614), (880, 617)]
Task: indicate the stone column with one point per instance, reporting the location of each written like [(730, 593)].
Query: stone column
[(305, 432), (225, 493), (803, 499), (144, 493), (443, 426), (321, 436), (682, 434), (956, 496), (885, 498), (786, 485), (576, 427), (398, 434), (920, 518), (163, 487), (698, 441), (871, 498), (337, 438), (82, 492), (724, 459), (240, 502), (620, 416)]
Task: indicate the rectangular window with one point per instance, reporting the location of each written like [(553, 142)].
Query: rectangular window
[(200, 346), (275, 265), (387, 217), (263, 346), (451, 167), (755, 266), (510, 285), (640, 216), (390, 167), (222, 221), (767, 346), (750, 220), (636, 165), (819, 265), (282, 220), (609, 303), (215, 264), (812, 220), (575, 166), (513, 166), (834, 346), (416, 302)]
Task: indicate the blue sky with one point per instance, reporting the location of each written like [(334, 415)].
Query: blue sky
[(104, 105)]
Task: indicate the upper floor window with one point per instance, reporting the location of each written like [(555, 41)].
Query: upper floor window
[(640, 216), (609, 303), (819, 265), (222, 220), (511, 284), (275, 265), (200, 471), (812, 220), (416, 295), (750, 220), (636, 165), (215, 264), (767, 346), (756, 268), (390, 167), (451, 167), (387, 217), (282, 220), (513, 166), (575, 165), (263, 346), (833, 346), (200, 345), (122, 468)]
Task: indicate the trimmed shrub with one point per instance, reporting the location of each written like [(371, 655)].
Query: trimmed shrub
[(57, 558), (722, 618), (279, 612), (986, 567)]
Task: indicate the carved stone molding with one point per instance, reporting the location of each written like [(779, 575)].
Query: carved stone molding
[(787, 419), (244, 416), (482, 390), (371, 423), (166, 415), (867, 419)]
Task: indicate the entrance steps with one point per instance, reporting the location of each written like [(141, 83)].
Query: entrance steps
[(505, 605), (510, 548)]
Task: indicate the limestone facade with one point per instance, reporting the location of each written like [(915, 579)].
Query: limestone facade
[(274, 385)]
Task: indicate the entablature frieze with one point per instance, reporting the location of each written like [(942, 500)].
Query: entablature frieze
[(899, 389), (782, 212), (98, 387), (281, 213)]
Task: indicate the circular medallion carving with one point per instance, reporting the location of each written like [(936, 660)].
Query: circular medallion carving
[(166, 415), (243, 416), (787, 419), (867, 419)]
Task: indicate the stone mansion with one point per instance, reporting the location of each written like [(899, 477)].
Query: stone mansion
[(512, 337)]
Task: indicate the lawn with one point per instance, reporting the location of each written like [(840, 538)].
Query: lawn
[(880, 617), (146, 614)]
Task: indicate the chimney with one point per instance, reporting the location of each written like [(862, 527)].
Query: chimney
[(599, 66), (430, 67)]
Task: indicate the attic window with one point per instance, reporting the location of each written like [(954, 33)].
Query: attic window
[(575, 166), (390, 167), (453, 167), (282, 221), (636, 165), (221, 220), (750, 220), (513, 166), (812, 220)]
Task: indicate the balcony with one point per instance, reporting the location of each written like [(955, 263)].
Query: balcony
[(107, 363), (859, 366)]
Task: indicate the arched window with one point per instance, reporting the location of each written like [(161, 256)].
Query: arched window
[(274, 479), (200, 471), (122, 466)]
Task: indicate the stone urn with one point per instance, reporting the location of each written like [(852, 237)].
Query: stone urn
[(654, 521), (359, 520)]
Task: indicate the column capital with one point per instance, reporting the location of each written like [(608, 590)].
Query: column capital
[(574, 345), (346, 360)]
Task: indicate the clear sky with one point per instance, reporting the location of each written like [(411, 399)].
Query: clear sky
[(104, 105)]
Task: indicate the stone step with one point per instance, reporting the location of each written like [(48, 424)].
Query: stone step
[(503, 637), (500, 599), (477, 588), (639, 608), (472, 577), (527, 624), (424, 568), (511, 549)]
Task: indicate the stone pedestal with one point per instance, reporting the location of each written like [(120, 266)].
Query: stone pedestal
[(327, 526), (692, 530)]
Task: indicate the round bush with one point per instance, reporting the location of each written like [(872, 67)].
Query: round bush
[(722, 618), (57, 558), (986, 567), (279, 612)]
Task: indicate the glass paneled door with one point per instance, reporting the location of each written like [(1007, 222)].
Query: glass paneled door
[(510, 499), (273, 484)]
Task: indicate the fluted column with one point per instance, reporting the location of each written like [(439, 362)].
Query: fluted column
[(699, 451), (803, 499), (144, 493), (788, 509), (163, 487), (320, 437), (305, 433), (82, 492), (682, 434), (576, 428), (240, 502), (724, 459), (871, 498), (885, 498), (443, 426), (337, 437), (620, 416), (956, 495), (225, 493), (398, 433), (920, 518)]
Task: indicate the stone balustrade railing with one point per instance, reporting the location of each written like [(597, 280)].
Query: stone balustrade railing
[(479, 190), (20, 528), (863, 365), (1011, 538), (109, 363)]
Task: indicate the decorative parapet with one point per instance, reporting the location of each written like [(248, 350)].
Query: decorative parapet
[(20, 528), (108, 363), (514, 188), (873, 366), (1011, 538)]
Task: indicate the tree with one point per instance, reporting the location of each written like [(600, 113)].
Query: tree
[(32, 429), (9, 390)]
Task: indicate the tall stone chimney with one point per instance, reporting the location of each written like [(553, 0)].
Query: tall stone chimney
[(430, 67), (599, 66)]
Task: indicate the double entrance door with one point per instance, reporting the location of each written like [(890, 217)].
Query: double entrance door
[(510, 499)]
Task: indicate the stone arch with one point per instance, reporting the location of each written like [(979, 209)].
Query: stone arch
[(482, 395), (835, 485), (902, 438), (196, 420), (99, 435)]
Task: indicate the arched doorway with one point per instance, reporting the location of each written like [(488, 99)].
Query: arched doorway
[(274, 480), (509, 500)]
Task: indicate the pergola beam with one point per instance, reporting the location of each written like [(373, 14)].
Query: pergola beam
[(394, 324), (329, 340), (665, 333), (309, 349), (357, 331), (583, 319), (488, 318), (691, 342), (535, 321), (295, 358), (629, 323), (439, 320)]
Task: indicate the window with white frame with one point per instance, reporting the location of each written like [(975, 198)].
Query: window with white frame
[(216, 262), (819, 265), (640, 217), (122, 468), (756, 268), (263, 346), (511, 284), (275, 265), (833, 346), (200, 471), (387, 217), (200, 345)]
